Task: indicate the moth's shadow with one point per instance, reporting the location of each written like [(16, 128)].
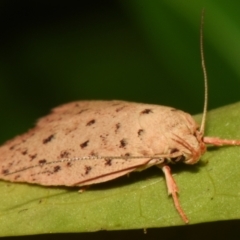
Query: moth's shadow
[(133, 177), (215, 148), (151, 173)]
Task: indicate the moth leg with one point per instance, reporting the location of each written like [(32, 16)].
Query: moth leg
[(173, 190), (83, 189), (219, 141)]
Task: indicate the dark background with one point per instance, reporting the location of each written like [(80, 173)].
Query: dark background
[(137, 50)]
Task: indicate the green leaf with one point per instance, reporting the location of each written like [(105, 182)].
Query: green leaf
[(209, 191)]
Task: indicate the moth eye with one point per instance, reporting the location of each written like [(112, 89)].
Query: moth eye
[(180, 158)]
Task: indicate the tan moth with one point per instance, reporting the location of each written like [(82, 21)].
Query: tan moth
[(88, 142)]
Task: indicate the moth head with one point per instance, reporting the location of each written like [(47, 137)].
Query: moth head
[(189, 152)]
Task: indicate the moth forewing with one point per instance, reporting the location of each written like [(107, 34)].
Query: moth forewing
[(90, 131)]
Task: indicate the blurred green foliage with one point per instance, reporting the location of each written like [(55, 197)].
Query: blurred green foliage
[(145, 51)]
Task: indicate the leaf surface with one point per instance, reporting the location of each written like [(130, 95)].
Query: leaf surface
[(209, 191)]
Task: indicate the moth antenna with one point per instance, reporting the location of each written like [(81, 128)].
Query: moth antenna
[(202, 128)]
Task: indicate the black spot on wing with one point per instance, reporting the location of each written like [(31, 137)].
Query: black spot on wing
[(93, 154), (5, 171), (17, 176), (120, 108), (147, 111), (82, 111), (87, 169), (140, 132), (42, 161), (104, 138), (24, 152), (56, 169), (64, 154), (13, 146), (117, 127), (48, 139), (32, 156), (91, 122), (123, 143), (108, 161), (84, 144), (69, 164)]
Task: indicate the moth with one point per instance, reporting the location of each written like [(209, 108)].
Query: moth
[(89, 142)]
